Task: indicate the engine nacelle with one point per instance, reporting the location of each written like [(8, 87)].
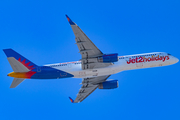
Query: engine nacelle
[(109, 84), (108, 58)]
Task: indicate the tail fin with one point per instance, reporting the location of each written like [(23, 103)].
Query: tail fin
[(18, 62)]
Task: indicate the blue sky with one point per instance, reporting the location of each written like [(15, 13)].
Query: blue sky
[(39, 30)]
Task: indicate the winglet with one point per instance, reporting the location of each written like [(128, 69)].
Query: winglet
[(71, 100), (70, 21)]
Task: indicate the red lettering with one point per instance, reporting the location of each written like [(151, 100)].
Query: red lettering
[(161, 57), (128, 62), (133, 60), (149, 59), (152, 59), (157, 58), (141, 59), (144, 59), (136, 59)]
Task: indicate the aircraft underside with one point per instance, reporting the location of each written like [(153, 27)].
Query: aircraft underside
[(94, 68)]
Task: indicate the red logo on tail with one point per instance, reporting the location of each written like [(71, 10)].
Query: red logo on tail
[(26, 64)]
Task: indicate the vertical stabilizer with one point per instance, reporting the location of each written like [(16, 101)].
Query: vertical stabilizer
[(18, 62), (16, 65), (21, 66)]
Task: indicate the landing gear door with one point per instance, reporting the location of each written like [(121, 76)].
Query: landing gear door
[(94, 72)]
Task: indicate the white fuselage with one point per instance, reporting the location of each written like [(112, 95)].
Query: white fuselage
[(128, 62)]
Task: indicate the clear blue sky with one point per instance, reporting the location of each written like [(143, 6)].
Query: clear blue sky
[(39, 30)]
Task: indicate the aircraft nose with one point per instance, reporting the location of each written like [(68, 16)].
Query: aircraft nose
[(176, 60)]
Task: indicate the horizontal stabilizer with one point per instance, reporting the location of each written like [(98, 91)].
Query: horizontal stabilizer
[(16, 82)]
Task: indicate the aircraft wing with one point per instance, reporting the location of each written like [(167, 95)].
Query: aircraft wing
[(87, 48), (88, 86)]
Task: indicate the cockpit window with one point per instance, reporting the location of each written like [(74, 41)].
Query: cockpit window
[(169, 54)]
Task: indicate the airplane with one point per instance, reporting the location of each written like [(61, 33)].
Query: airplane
[(94, 67)]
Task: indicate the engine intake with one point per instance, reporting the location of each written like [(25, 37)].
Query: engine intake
[(108, 58), (109, 84)]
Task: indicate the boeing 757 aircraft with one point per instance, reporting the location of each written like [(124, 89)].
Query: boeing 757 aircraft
[(94, 67)]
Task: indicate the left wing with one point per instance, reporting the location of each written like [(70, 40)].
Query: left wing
[(87, 48), (88, 86)]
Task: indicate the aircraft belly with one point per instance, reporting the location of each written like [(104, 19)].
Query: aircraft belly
[(121, 65), (93, 73)]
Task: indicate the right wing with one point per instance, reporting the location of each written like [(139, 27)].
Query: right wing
[(88, 86)]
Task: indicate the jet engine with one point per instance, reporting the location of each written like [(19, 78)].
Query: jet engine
[(109, 84), (108, 58)]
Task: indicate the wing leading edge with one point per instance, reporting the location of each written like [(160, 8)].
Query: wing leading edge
[(87, 48)]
